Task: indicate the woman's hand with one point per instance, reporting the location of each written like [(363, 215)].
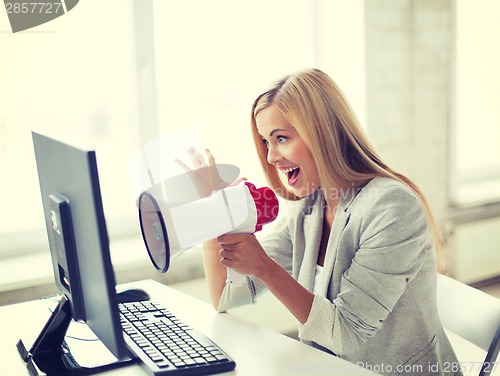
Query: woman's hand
[(197, 160), (243, 253), (206, 177)]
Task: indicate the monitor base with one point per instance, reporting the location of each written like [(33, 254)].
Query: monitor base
[(50, 354)]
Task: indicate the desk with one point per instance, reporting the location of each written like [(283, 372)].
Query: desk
[(256, 350)]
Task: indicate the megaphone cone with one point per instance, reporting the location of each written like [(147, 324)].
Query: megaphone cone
[(154, 232), (170, 229)]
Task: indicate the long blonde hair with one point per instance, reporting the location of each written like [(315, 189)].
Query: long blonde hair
[(315, 106)]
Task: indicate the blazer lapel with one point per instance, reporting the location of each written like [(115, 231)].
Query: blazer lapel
[(313, 220), (339, 223)]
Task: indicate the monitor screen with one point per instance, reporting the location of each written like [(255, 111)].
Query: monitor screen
[(78, 238)]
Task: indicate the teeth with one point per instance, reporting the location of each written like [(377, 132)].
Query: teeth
[(286, 171)]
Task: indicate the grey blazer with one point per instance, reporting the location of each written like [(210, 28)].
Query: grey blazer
[(376, 305)]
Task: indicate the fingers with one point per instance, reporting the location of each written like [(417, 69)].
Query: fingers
[(198, 161), (226, 255), (229, 243), (196, 158), (184, 166), (211, 159), (230, 246), (242, 252), (229, 259), (211, 163), (231, 240)]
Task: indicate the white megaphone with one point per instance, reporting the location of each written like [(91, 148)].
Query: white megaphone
[(173, 219)]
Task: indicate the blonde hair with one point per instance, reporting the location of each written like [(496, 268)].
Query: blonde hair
[(315, 106)]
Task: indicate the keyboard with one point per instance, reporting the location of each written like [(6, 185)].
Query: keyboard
[(166, 346)]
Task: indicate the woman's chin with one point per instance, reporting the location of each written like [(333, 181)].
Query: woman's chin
[(302, 192)]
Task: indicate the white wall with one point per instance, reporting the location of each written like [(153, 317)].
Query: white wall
[(407, 53), (410, 92)]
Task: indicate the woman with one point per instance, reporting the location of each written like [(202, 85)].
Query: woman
[(355, 262)]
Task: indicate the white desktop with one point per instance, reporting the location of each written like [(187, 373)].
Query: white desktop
[(256, 350)]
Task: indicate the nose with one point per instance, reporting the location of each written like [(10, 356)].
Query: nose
[(273, 155)]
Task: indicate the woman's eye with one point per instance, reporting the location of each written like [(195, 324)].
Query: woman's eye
[(279, 140)]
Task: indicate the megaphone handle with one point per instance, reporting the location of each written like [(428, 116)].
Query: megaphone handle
[(235, 278)]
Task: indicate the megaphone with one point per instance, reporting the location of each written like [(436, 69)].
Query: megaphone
[(173, 220)]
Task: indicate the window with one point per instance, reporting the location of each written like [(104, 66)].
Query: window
[(71, 79), (112, 75), (214, 57), (475, 158)]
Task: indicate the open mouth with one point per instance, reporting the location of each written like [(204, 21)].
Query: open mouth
[(292, 174)]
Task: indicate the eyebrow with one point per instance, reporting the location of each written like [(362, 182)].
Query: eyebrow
[(276, 130)]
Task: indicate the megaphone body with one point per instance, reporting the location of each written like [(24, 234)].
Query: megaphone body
[(169, 229)]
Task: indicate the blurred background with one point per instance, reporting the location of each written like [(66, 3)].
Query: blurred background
[(111, 75)]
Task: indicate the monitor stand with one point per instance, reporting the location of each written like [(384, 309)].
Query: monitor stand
[(50, 355)]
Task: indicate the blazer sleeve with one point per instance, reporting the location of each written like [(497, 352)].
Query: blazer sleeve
[(278, 246), (393, 239)]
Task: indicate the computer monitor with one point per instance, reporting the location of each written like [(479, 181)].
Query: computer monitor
[(79, 248)]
